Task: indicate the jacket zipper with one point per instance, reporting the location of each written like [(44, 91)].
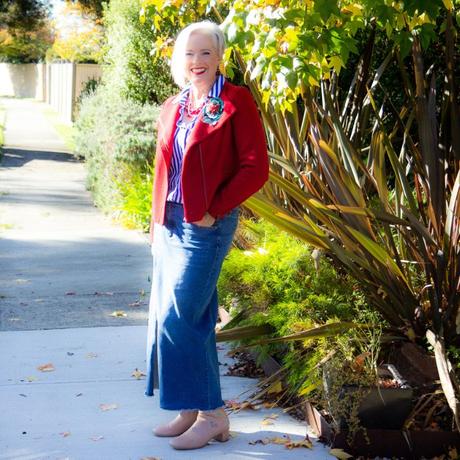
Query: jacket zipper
[(203, 180)]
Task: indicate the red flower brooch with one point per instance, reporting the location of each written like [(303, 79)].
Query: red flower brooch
[(212, 110)]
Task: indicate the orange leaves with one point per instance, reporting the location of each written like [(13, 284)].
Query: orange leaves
[(286, 441), (235, 405), (48, 367)]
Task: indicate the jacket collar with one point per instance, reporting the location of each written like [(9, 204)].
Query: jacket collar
[(201, 130)]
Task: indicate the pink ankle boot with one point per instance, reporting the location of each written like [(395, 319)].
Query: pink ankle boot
[(208, 425), (179, 425)]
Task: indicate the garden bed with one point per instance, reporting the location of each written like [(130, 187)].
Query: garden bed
[(410, 444), (376, 442)]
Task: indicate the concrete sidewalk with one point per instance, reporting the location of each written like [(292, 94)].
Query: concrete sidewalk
[(67, 389)]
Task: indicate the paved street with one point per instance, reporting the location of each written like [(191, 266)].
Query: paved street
[(67, 388)]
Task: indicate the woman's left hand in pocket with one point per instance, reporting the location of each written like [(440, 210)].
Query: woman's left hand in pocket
[(206, 221)]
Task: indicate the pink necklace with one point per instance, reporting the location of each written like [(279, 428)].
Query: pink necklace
[(193, 112)]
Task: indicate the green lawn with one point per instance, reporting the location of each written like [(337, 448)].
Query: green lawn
[(64, 130)]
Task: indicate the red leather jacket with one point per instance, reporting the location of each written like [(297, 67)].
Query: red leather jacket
[(223, 165)]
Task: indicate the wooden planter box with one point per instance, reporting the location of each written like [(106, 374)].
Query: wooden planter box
[(375, 442), (379, 408), (383, 443)]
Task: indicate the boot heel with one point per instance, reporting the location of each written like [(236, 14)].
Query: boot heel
[(222, 437)]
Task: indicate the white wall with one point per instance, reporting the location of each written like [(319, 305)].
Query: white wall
[(59, 84), (22, 80)]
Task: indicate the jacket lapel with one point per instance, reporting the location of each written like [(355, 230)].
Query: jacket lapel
[(202, 130), (167, 125)]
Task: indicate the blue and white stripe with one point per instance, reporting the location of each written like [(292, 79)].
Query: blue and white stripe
[(181, 135)]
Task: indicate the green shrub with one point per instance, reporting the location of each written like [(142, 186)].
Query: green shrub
[(276, 282), (116, 137), (279, 273), (135, 196), (131, 70)]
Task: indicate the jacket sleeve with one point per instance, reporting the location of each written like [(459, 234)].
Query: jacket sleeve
[(251, 150), (157, 129)]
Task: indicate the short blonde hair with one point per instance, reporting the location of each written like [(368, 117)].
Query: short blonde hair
[(178, 55)]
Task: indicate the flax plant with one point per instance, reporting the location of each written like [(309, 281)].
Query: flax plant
[(383, 203)]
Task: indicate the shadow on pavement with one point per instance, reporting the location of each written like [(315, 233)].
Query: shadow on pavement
[(79, 282), (14, 158)]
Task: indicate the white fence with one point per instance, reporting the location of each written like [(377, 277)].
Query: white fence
[(59, 84), (22, 80)]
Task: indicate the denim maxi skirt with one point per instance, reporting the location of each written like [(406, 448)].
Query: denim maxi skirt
[(181, 343)]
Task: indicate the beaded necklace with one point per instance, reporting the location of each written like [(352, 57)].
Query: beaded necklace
[(193, 112)]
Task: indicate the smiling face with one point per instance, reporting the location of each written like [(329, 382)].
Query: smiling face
[(201, 60)]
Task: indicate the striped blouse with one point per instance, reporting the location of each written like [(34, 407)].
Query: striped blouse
[(181, 134)]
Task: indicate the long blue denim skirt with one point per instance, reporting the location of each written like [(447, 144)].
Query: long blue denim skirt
[(181, 343)]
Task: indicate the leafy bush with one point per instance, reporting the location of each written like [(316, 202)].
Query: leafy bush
[(279, 273), (278, 282), (116, 137), (132, 72), (135, 196)]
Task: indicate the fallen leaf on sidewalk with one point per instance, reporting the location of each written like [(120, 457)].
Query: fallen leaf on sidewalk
[(233, 404), (269, 420), (137, 374), (304, 443), (96, 438), (340, 454), (48, 367), (106, 407), (286, 441), (118, 314), (31, 378), (64, 434)]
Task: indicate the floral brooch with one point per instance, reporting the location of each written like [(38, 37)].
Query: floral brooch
[(213, 110)]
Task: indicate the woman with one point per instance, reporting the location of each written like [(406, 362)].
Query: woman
[(211, 155)]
